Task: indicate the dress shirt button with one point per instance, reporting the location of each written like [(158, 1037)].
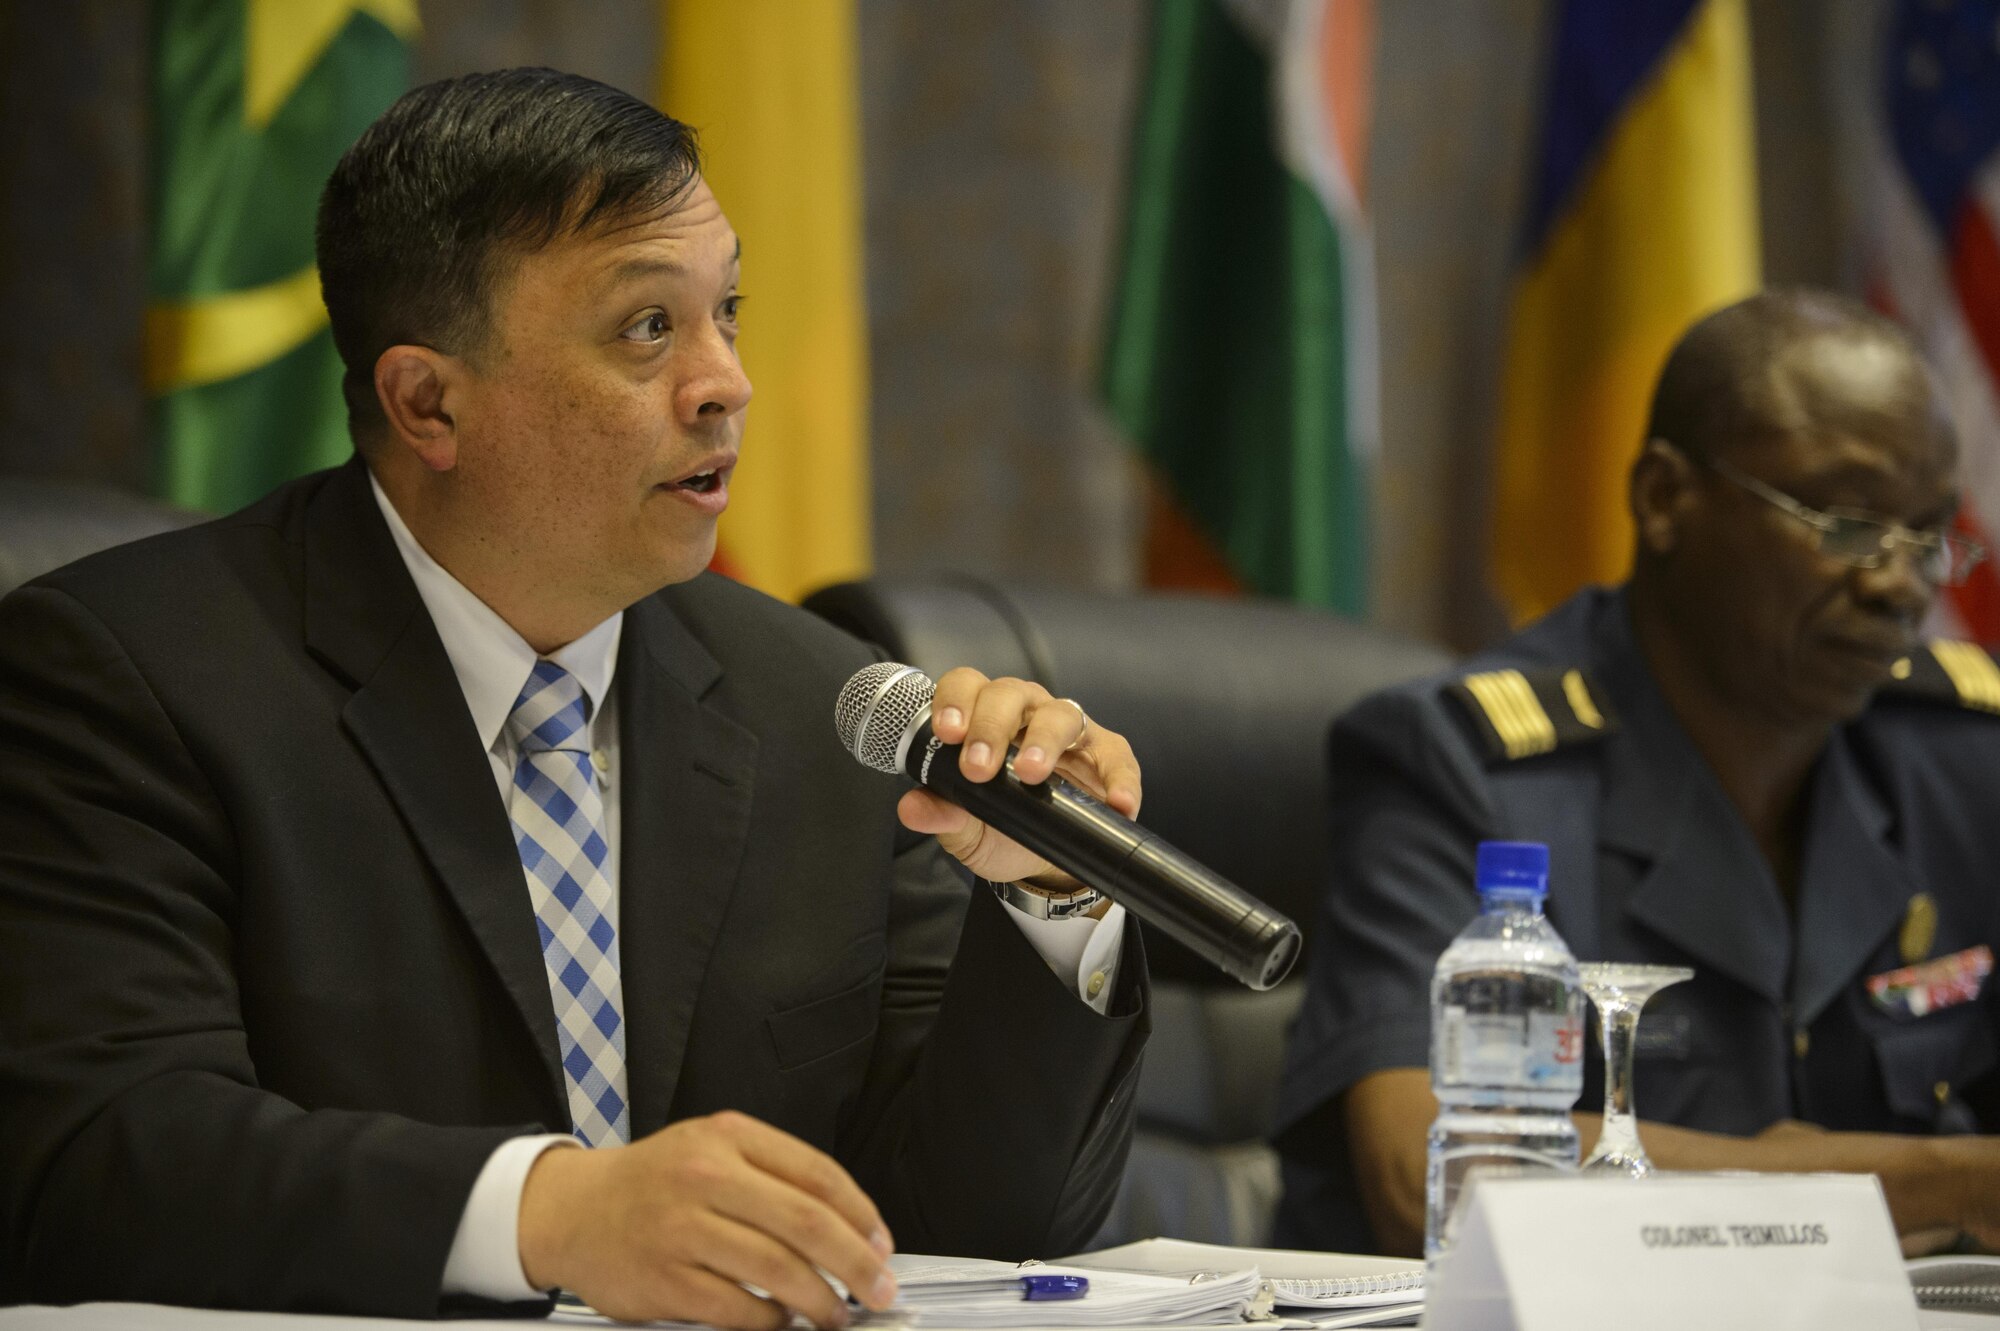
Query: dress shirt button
[(1801, 1043), (1096, 983), (601, 761)]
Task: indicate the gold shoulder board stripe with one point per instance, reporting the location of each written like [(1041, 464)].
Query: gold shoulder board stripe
[(1580, 702), (1972, 673), (1524, 713), (1517, 715)]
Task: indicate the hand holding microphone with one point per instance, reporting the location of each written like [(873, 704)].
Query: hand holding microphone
[(884, 717), (1014, 724)]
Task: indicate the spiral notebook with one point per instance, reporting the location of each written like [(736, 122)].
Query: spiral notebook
[(1966, 1284), (1356, 1291), (1303, 1283)]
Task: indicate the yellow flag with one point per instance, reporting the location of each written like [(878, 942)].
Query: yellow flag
[(770, 87)]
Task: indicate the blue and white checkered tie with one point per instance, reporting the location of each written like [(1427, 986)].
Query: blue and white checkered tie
[(558, 817)]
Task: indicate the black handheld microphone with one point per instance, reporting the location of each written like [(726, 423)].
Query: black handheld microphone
[(884, 719)]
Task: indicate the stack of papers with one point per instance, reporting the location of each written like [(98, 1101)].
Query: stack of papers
[(974, 1294), (1324, 1290)]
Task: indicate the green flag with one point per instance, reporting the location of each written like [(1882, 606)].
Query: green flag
[(253, 101), (1241, 352)]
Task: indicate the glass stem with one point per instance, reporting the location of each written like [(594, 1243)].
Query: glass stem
[(1620, 1025)]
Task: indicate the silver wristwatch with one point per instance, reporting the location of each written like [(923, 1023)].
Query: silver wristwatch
[(1030, 902)]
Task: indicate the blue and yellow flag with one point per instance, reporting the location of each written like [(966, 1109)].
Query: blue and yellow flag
[(1641, 218)]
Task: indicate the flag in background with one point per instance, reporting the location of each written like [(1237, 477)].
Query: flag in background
[(771, 88), (1642, 216), (252, 103), (1933, 249), (1241, 354)]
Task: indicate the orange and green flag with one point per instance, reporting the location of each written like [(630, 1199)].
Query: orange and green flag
[(771, 88), (1642, 217), (252, 101), (1241, 354)]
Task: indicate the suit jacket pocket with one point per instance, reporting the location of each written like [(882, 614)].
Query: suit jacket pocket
[(824, 1026)]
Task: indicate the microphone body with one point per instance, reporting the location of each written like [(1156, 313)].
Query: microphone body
[(1079, 834)]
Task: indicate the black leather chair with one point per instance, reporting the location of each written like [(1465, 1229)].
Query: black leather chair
[(1227, 703), (46, 524)]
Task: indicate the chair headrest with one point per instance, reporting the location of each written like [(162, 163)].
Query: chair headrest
[(46, 524)]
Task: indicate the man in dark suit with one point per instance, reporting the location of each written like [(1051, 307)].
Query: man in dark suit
[(1743, 761), (358, 849)]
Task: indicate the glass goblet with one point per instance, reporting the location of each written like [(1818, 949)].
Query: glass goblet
[(1620, 989)]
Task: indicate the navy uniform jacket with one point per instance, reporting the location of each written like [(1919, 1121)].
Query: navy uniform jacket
[(1560, 735)]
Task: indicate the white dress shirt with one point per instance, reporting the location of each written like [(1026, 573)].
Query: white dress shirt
[(492, 662)]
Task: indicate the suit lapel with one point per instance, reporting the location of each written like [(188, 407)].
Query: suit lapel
[(685, 796), (1664, 807), (1853, 889), (1696, 895), (408, 715)]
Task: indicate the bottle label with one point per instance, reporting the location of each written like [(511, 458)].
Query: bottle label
[(1532, 1051)]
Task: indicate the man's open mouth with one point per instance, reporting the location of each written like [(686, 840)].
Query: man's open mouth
[(702, 482)]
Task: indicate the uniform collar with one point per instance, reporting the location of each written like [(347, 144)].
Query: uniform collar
[(1654, 776), (491, 660)]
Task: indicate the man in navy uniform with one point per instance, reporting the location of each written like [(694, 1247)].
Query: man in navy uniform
[(1744, 760)]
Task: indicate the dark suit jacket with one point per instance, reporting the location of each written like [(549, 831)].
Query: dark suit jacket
[(270, 989)]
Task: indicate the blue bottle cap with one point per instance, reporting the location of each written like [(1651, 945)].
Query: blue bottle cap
[(1513, 866)]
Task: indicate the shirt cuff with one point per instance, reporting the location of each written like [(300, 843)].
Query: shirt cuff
[(1080, 948), (485, 1260)]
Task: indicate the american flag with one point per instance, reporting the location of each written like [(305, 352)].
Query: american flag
[(1934, 253)]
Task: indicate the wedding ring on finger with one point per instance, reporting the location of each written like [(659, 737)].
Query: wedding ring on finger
[(1082, 718)]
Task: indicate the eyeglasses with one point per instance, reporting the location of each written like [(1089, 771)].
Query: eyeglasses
[(1863, 540)]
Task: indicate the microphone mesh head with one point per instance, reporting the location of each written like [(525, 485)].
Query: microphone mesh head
[(875, 709)]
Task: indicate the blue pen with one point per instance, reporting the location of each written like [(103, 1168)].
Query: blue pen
[(1034, 1289), (1037, 1289)]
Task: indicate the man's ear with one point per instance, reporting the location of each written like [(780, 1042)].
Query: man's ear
[(1660, 491), (414, 385)]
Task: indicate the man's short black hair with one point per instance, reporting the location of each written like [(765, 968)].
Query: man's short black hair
[(424, 216), (1724, 384)]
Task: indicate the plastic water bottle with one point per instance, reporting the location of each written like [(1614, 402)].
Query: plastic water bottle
[(1506, 1037)]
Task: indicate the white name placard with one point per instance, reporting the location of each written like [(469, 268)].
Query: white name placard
[(1816, 1252)]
